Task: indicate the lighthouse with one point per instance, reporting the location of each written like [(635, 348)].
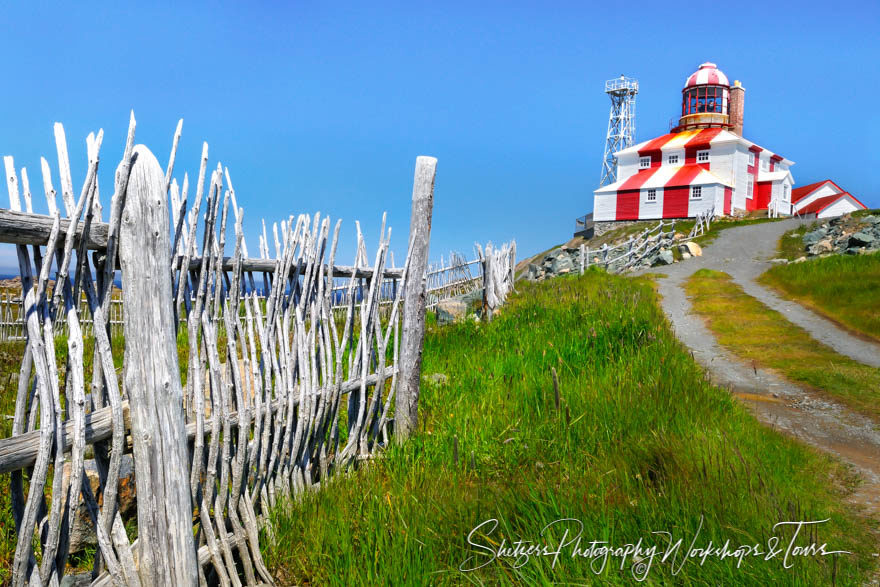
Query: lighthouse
[(703, 164)]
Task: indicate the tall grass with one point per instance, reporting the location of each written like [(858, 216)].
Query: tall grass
[(639, 442), (846, 288)]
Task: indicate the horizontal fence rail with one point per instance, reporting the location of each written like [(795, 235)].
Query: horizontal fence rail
[(244, 380)]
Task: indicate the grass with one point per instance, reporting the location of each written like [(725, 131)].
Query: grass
[(845, 288), (640, 442), (756, 333)]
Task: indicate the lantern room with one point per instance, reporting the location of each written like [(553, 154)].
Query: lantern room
[(705, 99)]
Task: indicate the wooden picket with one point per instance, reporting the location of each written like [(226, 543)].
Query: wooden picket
[(280, 391)]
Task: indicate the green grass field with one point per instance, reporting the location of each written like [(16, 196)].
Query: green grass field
[(756, 333), (637, 441), (845, 288)]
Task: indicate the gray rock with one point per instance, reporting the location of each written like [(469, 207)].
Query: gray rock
[(448, 311), (471, 297), (861, 239), (81, 580), (823, 246), (853, 251), (664, 258), (799, 260), (815, 236), (875, 220), (562, 263), (779, 261)]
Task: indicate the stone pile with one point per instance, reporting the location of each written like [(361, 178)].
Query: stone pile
[(844, 234)]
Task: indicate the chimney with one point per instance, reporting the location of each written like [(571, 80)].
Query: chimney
[(735, 108)]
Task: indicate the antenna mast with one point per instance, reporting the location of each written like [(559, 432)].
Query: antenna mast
[(621, 123)]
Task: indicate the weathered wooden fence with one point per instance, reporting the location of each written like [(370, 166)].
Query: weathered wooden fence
[(453, 277), (702, 223), (491, 273), (245, 402), (499, 266), (12, 325)]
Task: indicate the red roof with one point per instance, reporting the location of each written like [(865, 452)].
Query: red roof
[(800, 193), (820, 204)]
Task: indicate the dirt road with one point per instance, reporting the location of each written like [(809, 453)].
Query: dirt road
[(744, 254)]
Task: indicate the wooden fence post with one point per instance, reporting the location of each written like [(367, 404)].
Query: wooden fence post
[(166, 548), (407, 407), (583, 259)]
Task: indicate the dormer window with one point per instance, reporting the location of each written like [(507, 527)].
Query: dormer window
[(652, 195), (672, 159), (764, 164), (702, 156), (751, 158), (644, 162), (696, 192)]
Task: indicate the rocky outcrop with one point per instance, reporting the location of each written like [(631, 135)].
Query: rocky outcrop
[(844, 234)]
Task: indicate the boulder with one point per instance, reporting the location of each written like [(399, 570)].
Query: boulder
[(448, 311), (861, 239), (694, 249), (562, 263), (799, 260), (815, 236), (823, 246), (875, 220), (685, 255), (779, 261), (469, 298), (664, 258)]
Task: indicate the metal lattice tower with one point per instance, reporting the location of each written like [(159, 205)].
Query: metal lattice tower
[(621, 123)]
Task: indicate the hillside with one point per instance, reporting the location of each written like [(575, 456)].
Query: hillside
[(576, 402)]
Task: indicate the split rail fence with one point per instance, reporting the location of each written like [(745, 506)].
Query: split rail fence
[(642, 246), (271, 395)]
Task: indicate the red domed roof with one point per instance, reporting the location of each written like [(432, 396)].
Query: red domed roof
[(707, 74)]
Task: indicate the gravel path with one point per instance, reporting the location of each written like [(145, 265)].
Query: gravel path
[(743, 253)]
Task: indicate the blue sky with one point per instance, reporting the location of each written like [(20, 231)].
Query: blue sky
[(318, 106)]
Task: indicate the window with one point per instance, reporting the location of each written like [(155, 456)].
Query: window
[(751, 187), (672, 159), (702, 156), (696, 192), (751, 158), (652, 195), (704, 99), (644, 162), (764, 164), (785, 189)]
